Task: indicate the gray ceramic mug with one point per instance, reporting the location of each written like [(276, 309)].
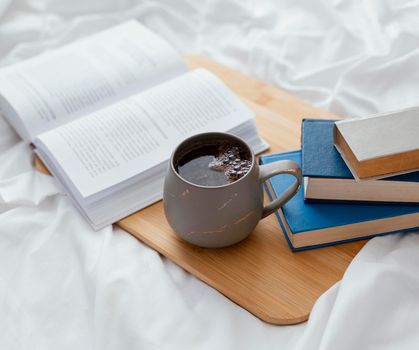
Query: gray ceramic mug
[(219, 216)]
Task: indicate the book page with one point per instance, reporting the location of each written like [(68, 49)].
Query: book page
[(64, 84), (112, 145)]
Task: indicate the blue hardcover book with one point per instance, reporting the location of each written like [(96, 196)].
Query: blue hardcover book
[(310, 225), (326, 176)]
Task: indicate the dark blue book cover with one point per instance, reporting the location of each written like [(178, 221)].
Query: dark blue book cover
[(304, 216), (320, 157)]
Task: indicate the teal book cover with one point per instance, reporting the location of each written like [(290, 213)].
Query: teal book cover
[(311, 225)]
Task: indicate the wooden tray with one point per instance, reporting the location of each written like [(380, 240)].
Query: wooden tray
[(261, 274)]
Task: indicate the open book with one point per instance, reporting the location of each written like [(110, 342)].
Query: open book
[(105, 113)]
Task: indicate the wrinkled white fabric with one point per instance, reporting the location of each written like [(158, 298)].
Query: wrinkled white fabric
[(64, 286)]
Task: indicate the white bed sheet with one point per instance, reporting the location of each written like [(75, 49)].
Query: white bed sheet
[(63, 286)]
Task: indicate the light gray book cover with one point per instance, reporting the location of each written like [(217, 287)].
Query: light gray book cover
[(382, 135)]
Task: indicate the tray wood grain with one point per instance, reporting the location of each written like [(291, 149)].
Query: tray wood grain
[(260, 274)]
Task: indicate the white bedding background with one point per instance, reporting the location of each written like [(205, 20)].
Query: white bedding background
[(63, 286)]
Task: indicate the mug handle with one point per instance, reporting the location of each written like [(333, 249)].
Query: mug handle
[(276, 168)]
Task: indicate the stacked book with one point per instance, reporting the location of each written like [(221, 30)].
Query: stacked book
[(361, 179)]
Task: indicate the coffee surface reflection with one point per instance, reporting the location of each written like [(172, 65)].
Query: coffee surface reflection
[(214, 164)]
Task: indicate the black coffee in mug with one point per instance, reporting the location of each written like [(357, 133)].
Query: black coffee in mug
[(214, 164)]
